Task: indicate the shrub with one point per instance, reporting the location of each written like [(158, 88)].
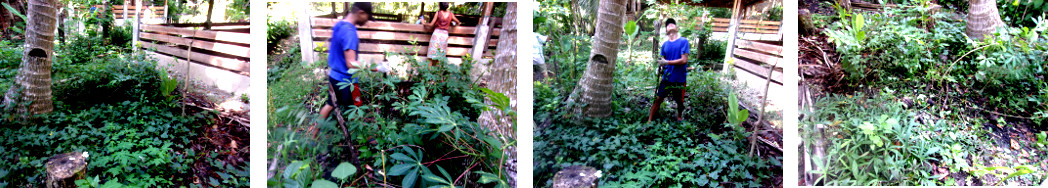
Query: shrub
[(410, 121), (276, 31), (881, 48), (877, 143)]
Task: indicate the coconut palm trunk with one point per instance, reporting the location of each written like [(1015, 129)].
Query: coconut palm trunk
[(503, 79), (33, 83), (983, 18), (503, 73), (595, 86)]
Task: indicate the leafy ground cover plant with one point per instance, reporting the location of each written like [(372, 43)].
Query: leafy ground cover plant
[(704, 150), (136, 136)]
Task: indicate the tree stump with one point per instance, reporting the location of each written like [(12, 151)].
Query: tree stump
[(64, 169), (576, 176), (807, 26)]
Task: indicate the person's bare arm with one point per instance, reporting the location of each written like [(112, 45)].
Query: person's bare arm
[(433, 21), (455, 19), (351, 59), (352, 63), (683, 60)]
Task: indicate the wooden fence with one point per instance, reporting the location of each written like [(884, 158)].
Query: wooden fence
[(755, 53), (379, 37), (147, 11), (225, 49), (747, 26)]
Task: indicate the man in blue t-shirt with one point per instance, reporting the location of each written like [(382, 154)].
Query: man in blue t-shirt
[(342, 56), (674, 63)]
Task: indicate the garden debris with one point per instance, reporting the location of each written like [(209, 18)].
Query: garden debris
[(219, 140)]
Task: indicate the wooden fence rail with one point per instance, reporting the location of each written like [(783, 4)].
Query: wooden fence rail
[(222, 49), (747, 26), (755, 53), (147, 11), (379, 37)]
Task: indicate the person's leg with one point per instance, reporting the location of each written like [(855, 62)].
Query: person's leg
[(326, 111), (655, 108), (679, 97)]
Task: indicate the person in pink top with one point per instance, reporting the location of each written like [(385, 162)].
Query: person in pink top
[(438, 43)]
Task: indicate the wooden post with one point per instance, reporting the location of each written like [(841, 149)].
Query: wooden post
[(305, 33), (345, 8), (126, 2), (334, 13), (135, 26), (64, 169), (422, 12), (733, 27), (166, 20), (482, 33)]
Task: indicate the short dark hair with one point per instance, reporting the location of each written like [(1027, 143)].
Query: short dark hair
[(362, 6), (671, 21), (444, 5)]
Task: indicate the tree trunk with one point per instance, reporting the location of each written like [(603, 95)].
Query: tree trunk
[(210, 7), (107, 15), (33, 83), (503, 79), (595, 87), (345, 9), (983, 18)]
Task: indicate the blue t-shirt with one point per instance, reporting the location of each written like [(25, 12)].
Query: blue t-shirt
[(673, 50), (344, 37)]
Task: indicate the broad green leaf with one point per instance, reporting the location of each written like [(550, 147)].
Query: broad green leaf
[(344, 170), (324, 184), (112, 184), (446, 128), (410, 179), (434, 179), (401, 169), (631, 28), (292, 169), (743, 114), (402, 157), (486, 178)]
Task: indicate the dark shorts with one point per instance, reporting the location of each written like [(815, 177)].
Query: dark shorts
[(670, 88), (345, 96)]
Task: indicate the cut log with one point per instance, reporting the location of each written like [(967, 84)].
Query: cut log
[(576, 176), (64, 169)]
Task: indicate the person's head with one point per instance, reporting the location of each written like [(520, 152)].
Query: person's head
[(444, 6), (360, 13), (671, 26)]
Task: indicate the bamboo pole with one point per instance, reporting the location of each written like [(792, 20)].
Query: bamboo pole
[(185, 87)]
